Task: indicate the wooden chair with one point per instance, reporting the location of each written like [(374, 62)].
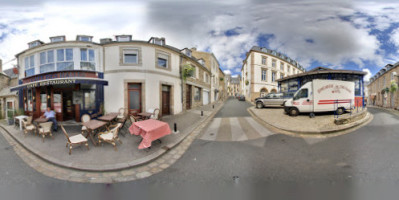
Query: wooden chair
[(28, 127), (76, 139), (45, 129), (111, 136), (155, 114), (85, 118), (122, 113)]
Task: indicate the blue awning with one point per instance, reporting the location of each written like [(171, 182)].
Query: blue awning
[(60, 81)]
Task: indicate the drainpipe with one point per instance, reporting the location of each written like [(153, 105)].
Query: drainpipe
[(182, 83)]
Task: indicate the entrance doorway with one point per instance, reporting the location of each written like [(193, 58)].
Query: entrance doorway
[(134, 97), (165, 100), (188, 97), (68, 111)]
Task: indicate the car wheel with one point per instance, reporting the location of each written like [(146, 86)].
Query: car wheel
[(294, 112), (259, 105), (340, 111)]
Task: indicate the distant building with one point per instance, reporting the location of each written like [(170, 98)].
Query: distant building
[(234, 85), (379, 86), (8, 99), (261, 69)]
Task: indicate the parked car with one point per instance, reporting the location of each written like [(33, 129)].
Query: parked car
[(241, 98), (271, 99)]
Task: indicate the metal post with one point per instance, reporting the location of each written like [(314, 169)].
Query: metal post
[(175, 128), (202, 113)]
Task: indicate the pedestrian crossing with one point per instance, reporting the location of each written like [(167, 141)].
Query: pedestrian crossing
[(234, 129)]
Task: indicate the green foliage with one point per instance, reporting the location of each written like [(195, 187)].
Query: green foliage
[(246, 82), (394, 87), (221, 79), (10, 114), (188, 71)]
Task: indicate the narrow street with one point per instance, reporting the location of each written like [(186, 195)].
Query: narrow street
[(367, 155)]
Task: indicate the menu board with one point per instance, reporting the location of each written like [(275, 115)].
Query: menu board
[(77, 97)]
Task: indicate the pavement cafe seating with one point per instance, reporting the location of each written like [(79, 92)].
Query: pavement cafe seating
[(85, 118), (150, 130), (27, 126), (73, 140), (111, 136), (109, 118), (91, 126), (45, 129)]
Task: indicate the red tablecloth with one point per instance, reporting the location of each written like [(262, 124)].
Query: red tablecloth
[(149, 130)]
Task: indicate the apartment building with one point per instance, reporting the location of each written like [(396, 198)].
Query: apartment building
[(379, 87)]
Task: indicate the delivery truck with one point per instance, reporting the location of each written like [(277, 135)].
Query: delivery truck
[(322, 96)]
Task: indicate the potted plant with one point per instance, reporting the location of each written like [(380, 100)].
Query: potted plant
[(10, 117), (246, 82), (188, 71)]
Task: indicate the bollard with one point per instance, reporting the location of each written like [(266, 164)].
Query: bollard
[(202, 113), (175, 127), (213, 106)]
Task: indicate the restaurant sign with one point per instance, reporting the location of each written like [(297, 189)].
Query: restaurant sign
[(63, 74), (52, 82)]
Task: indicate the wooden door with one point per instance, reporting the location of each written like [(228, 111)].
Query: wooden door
[(165, 100), (134, 97), (188, 97)]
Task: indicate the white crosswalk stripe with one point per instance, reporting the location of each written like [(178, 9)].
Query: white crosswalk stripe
[(258, 127), (213, 128), (236, 131)]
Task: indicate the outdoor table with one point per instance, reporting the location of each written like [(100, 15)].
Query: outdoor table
[(91, 126), (38, 121), (149, 130), (20, 118), (108, 117), (145, 115)]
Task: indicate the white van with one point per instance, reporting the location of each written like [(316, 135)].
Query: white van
[(322, 96)]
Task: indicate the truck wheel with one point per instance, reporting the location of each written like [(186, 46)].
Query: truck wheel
[(340, 111), (293, 112), (259, 105)]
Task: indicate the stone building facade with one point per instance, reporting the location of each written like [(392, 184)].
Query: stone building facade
[(379, 92), (8, 99), (261, 69)]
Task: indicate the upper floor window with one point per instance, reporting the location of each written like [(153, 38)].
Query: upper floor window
[(87, 59), (264, 73), (84, 38), (47, 61), (57, 39), (264, 60), (281, 66), (123, 38), (163, 60), (281, 75), (65, 59), (30, 65), (274, 63), (130, 56), (35, 43), (273, 76)]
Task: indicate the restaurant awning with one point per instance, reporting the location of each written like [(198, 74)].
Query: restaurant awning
[(60, 81)]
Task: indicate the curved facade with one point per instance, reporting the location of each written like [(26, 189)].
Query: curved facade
[(261, 69)]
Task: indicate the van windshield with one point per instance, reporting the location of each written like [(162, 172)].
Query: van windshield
[(301, 94)]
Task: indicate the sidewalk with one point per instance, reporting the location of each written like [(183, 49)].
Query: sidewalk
[(104, 158)]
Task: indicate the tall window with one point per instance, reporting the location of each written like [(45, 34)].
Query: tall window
[(163, 60), (281, 75), (264, 73), (130, 56), (87, 59), (263, 60), (281, 66), (273, 76), (274, 63), (30, 65), (197, 93), (47, 61), (64, 59)]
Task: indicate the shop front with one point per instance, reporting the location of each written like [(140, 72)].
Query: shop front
[(69, 93)]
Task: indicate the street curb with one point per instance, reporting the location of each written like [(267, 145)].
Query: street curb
[(325, 132), (121, 166)]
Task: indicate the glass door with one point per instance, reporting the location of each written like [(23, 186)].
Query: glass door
[(134, 98)]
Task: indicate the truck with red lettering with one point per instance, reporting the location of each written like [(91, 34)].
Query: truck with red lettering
[(322, 96)]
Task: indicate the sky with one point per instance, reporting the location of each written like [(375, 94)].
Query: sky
[(356, 35)]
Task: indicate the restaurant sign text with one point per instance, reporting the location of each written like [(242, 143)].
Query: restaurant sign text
[(52, 82)]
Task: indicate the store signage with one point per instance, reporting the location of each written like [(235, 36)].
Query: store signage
[(52, 82), (55, 75)]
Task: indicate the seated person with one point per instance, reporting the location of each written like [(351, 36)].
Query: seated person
[(50, 116)]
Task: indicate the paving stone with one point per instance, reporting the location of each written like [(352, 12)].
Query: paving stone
[(128, 172), (164, 166), (143, 174)]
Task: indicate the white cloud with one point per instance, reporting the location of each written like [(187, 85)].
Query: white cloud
[(226, 71), (368, 75), (395, 37)]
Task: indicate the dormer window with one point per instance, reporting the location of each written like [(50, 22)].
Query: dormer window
[(187, 52), (157, 41), (202, 62), (35, 43), (123, 38), (84, 38), (57, 39)]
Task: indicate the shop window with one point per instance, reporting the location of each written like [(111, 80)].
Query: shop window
[(29, 100), (197, 93), (87, 59), (89, 100), (65, 59), (30, 65)]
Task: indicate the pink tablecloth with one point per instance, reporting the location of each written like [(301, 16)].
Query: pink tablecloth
[(149, 130)]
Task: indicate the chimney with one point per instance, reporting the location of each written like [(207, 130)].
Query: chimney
[(1, 66)]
